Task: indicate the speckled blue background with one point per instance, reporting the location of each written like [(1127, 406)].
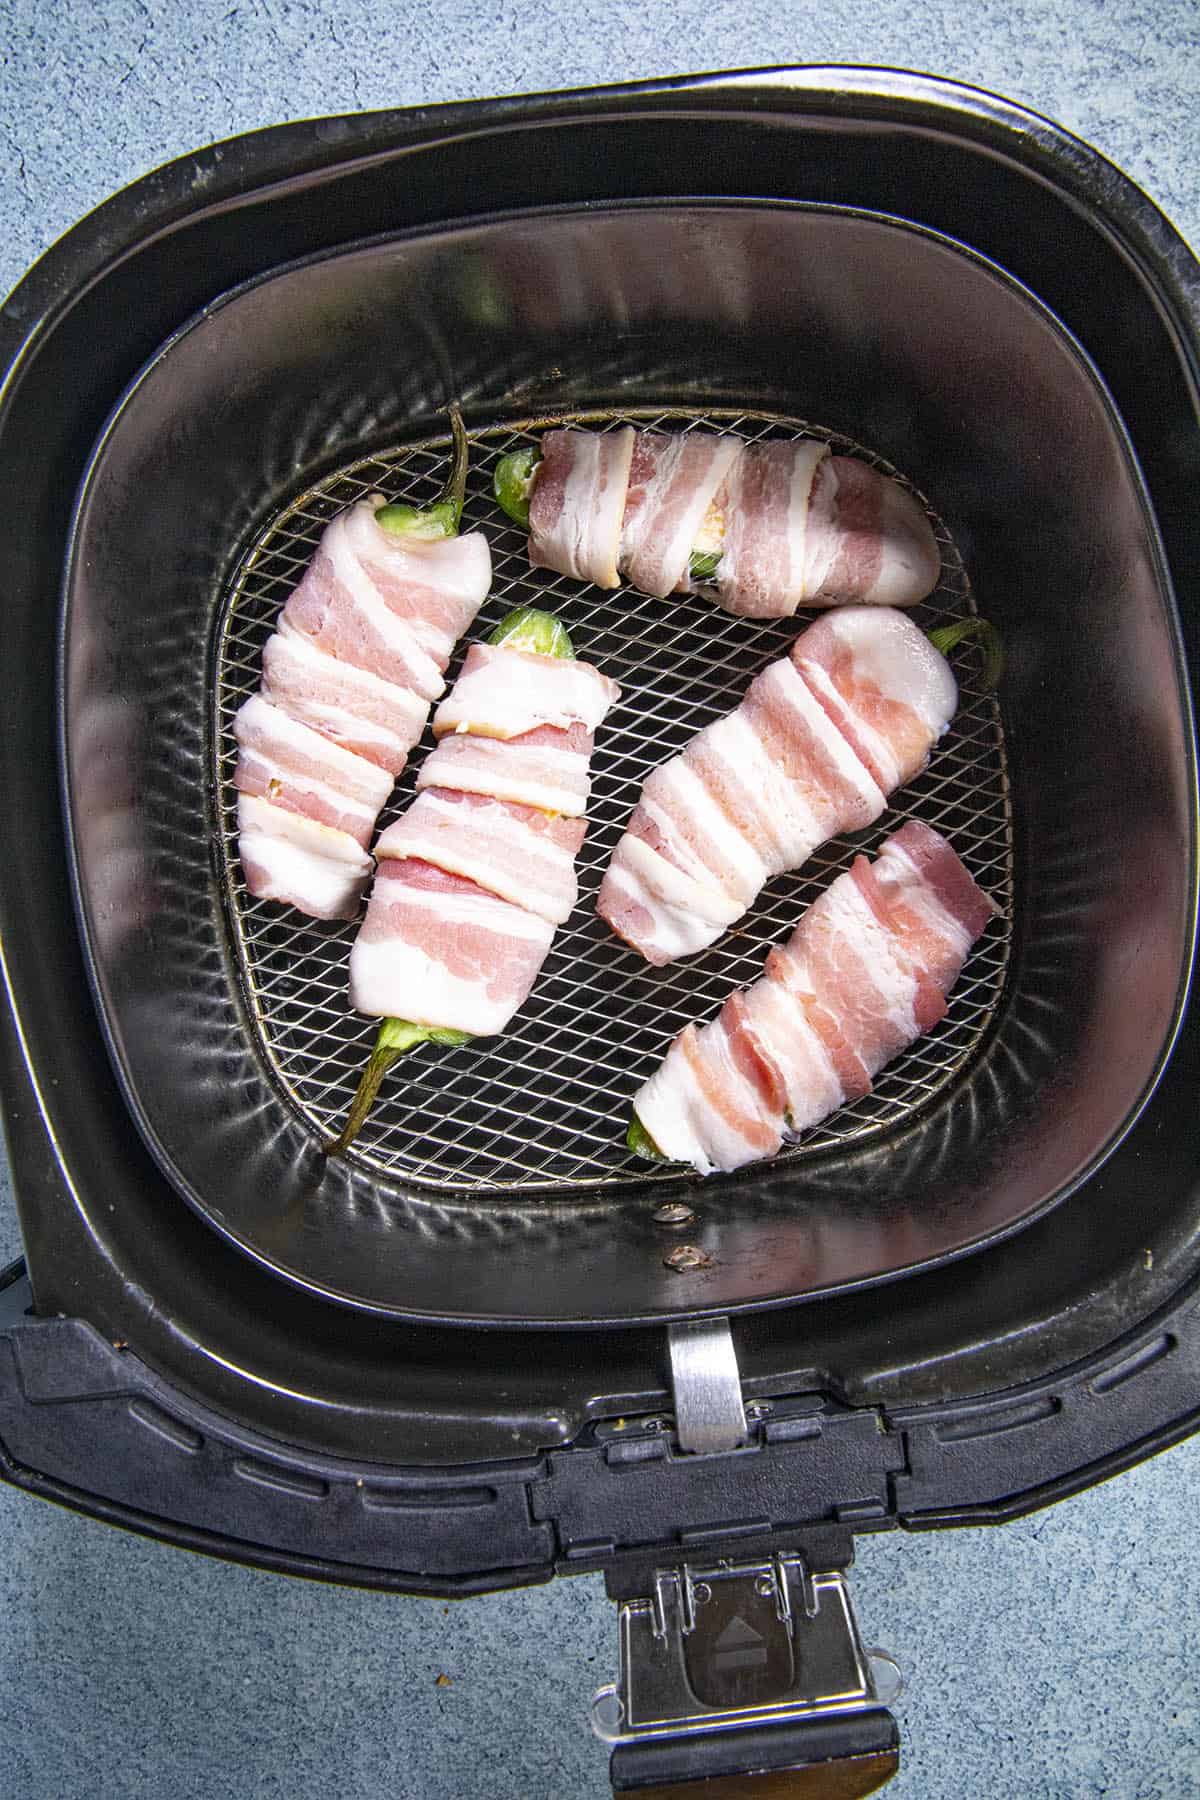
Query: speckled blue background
[(1059, 1657)]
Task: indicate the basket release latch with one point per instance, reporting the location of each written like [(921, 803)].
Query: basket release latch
[(724, 1666)]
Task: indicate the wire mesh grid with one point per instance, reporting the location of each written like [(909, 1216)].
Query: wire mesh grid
[(545, 1108)]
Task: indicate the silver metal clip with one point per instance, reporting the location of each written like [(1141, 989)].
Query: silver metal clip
[(709, 1415)]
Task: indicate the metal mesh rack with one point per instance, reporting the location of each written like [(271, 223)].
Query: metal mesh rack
[(546, 1106)]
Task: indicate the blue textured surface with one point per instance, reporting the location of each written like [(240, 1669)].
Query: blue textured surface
[(1058, 1657)]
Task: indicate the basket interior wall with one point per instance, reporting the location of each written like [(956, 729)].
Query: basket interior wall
[(957, 380)]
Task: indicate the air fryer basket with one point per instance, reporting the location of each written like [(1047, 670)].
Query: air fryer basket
[(501, 1199), (1098, 1285)]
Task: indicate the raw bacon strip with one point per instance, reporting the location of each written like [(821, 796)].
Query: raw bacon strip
[(882, 683), (920, 889), (373, 718), (865, 972), (698, 1106), (779, 757), (516, 852), (859, 989), (288, 857), (673, 480), (793, 978), (664, 913), (762, 569), (339, 607), (917, 862), (803, 1080), (686, 824), (578, 503), (545, 767), (297, 769), (818, 742), (438, 948), (924, 938), (867, 540), (779, 524), (503, 693)]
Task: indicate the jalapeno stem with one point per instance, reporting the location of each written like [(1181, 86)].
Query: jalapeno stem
[(395, 1037), (455, 491), (442, 519), (991, 646)]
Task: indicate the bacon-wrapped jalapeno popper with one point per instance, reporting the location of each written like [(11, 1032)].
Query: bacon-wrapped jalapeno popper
[(821, 738), (865, 973), (763, 529), (475, 876), (348, 680)]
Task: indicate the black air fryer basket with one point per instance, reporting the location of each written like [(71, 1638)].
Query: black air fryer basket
[(465, 1357)]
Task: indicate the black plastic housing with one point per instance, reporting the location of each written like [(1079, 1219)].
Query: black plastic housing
[(1009, 1378)]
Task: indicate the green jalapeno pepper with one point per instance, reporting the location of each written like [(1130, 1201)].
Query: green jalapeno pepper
[(512, 482), (639, 1142), (526, 628)]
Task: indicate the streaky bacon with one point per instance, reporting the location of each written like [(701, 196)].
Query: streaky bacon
[(546, 767), (435, 585), (578, 502), (348, 678), (790, 524), (762, 568), (685, 823), (853, 987), (288, 857), (882, 683), (753, 794), (796, 977), (868, 541), (699, 1096), (506, 693), (438, 949), (783, 1034), (373, 718), (863, 987), (922, 937), (674, 478), (936, 871), (661, 912), (753, 1053), (338, 608), (517, 852), (295, 768)]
